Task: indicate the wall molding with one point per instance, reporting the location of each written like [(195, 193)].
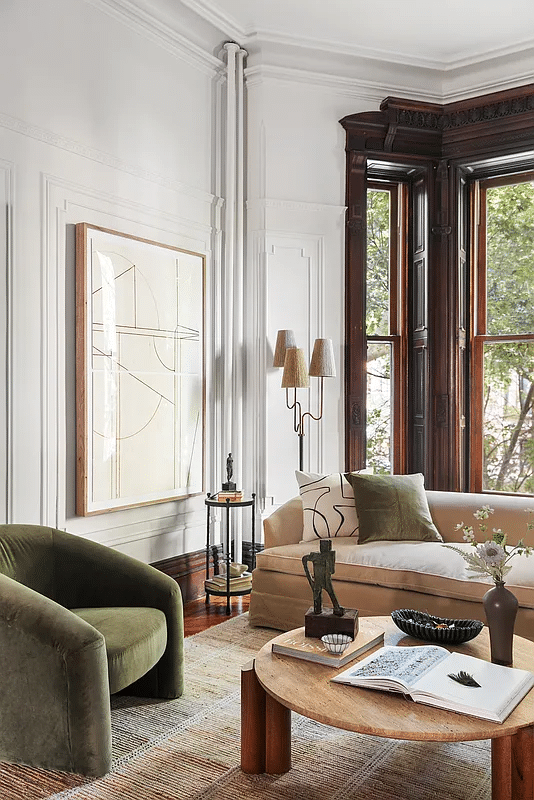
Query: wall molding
[(343, 85), (63, 204), (295, 205), (217, 18), (71, 146), (6, 338), (189, 571), (347, 82), (310, 248)]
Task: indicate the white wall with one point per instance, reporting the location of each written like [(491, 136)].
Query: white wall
[(98, 124), (110, 118), (296, 217)]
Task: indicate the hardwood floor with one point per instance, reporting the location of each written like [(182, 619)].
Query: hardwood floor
[(198, 616)]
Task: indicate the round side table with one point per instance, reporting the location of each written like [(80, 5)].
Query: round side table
[(211, 501)]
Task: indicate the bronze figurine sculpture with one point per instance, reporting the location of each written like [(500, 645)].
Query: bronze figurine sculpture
[(319, 620), (323, 568), (229, 485)]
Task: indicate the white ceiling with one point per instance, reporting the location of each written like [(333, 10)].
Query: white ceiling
[(444, 34)]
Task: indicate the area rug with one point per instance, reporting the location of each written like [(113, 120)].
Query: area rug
[(189, 748)]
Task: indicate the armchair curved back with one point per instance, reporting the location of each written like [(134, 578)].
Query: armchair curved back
[(27, 556)]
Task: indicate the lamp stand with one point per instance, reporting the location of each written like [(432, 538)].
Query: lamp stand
[(299, 417)]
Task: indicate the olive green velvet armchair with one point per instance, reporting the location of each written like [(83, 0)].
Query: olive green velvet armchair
[(78, 621)]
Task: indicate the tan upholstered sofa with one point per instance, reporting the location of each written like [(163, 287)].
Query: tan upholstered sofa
[(378, 577)]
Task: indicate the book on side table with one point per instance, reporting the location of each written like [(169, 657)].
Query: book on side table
[(425, 674), (239, 583), (295, 643)]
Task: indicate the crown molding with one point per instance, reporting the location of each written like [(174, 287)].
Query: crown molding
[(230, 26), (389, 56), (343, 85), (322, 46), (479, 88), (329, 64), (224, 22), (144, 22)]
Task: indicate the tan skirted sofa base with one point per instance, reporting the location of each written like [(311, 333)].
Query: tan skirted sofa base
[(378, 577)]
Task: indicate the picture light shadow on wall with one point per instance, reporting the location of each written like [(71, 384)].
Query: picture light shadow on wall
[(296, 376)]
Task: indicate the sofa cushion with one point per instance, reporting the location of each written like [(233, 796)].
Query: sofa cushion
[(426, 567), (392, 507), (328, 506), (136, 639)]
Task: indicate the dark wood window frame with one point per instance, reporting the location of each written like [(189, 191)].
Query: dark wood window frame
[(439, 150), (479, 332), (396, 338)]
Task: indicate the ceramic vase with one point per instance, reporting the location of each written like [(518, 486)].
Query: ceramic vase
[(500, 607)]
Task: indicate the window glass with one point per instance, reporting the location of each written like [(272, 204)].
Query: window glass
[(379, 405), (508, 420), (378, 262), (510, 259)]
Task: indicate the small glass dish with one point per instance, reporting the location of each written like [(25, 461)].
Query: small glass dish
[(336, 643)]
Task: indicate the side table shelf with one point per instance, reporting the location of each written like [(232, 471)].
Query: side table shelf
[(211, 501)]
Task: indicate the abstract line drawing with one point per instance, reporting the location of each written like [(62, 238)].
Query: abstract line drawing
[(328, 505), (140, 382)]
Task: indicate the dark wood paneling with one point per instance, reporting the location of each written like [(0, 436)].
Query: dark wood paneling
[(189, 570), (417, 432), (355, 342), (249, 557), (444, 145)]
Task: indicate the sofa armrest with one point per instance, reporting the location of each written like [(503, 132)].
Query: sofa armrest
[(285, 525), (448, 509), (54, 703)]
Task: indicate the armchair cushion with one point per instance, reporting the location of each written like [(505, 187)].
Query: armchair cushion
[(136, 639)]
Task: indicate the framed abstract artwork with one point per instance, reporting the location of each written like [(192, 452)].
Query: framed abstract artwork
[(139, 371)]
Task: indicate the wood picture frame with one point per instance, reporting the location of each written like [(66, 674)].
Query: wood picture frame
[(139, 371)]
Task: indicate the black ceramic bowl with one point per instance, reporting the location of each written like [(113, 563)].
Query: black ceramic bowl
[(436, 629)]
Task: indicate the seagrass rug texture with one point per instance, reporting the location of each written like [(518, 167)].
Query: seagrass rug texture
[(189, 748)]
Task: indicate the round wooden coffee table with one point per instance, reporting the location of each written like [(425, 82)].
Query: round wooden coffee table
[(273, 685)]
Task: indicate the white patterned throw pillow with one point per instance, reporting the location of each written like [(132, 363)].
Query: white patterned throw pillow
[(328, 504)]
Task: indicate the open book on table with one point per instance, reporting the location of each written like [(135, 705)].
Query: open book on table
[(423, 673)]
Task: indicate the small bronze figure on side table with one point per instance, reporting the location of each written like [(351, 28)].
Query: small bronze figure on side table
[(229, 486)]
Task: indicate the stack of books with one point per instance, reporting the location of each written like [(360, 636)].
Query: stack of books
[(234, 496), (297, 644), (239, 584)]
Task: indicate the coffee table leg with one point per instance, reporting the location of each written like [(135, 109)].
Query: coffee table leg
[(277, 737), (252, 721), (512, 766)]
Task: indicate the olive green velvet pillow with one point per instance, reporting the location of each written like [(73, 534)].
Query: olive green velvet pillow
[(392, 508)]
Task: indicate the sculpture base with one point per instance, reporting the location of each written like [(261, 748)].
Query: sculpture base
[(229, 487), (317, 625)]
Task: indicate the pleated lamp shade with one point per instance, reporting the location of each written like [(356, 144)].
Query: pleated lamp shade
[(322, 363), (284, 339), (295, 374)]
